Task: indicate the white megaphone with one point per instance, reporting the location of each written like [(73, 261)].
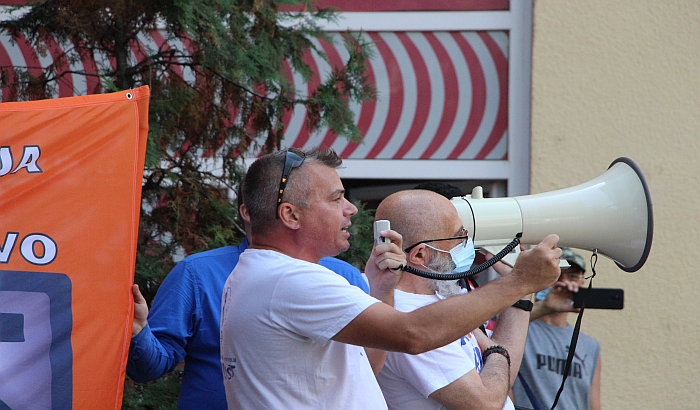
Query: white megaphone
[(611, 214)]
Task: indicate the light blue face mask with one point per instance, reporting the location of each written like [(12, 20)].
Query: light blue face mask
[(462, 255), (542, 294)]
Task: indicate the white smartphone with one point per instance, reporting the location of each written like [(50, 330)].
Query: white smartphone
[(381, 225)]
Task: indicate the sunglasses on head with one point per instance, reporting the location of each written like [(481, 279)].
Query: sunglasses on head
[(293, 159)]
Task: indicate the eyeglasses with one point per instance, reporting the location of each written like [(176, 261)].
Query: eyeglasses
[(461, 230), (293, 159)]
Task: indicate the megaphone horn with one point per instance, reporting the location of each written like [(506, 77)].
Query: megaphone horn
[(611, 214)]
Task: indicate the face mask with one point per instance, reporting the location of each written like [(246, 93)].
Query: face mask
[(462, 255), (541, 294)]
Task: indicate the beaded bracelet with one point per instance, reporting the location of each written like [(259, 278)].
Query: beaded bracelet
[(496, 349)]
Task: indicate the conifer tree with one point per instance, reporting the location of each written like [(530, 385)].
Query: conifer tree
[(202, 127)]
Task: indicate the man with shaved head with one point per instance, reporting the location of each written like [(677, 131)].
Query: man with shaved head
[(457, 375), (293, 332)]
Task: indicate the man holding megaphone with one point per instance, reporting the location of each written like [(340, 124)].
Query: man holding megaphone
[(465, 373)]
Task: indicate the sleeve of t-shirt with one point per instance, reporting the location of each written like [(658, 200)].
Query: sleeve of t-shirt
[(346, 270), (316, 303), (433, 370)]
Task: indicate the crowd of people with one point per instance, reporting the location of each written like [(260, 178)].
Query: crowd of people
[(277, 322)]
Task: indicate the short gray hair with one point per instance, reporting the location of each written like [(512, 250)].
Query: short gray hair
[(261, 185)]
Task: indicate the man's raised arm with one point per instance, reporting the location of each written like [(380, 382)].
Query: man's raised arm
[(381, 326)]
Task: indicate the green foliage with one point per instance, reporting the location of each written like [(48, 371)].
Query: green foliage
[(203, 126), (159, 394), (361, 237)]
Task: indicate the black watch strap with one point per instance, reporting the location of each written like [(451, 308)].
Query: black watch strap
[(523, 304)]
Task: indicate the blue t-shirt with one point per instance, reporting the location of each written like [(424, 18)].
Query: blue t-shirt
[(183, 324)]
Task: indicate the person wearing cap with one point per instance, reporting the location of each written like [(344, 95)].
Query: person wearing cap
[(547, 348)]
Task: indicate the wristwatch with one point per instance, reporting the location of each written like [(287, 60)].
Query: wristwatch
[(523, 304)]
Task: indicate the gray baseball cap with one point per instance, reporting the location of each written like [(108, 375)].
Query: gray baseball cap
[(574, 259)]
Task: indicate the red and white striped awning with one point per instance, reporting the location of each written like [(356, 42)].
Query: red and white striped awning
[(453, 85), (20, 53), (441, 95)]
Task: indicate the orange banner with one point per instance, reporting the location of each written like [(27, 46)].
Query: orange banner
[(71, 171)]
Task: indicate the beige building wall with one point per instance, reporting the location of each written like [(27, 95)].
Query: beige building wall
[(622, 78)]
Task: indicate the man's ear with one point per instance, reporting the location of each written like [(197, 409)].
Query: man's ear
[(243, 212), (418, 256), (289, 215)]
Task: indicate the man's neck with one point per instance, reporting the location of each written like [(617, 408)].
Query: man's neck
[(413, 284), (555, 319), (287, 246)]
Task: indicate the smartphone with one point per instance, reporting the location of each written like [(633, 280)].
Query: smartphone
[(600, 298), (381, 225)]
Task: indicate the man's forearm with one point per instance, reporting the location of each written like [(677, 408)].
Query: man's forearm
[(148, 358), (377, 357), (511, 332), (465, 313), (538, 310), (385, 296), (496, 376)]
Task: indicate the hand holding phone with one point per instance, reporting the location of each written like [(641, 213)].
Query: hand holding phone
[(384, 267)]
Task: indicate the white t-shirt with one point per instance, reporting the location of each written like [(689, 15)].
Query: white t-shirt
[(278, 316), (407, 380)]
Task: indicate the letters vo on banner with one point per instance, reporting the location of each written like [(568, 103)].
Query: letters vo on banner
[(71, 171)]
